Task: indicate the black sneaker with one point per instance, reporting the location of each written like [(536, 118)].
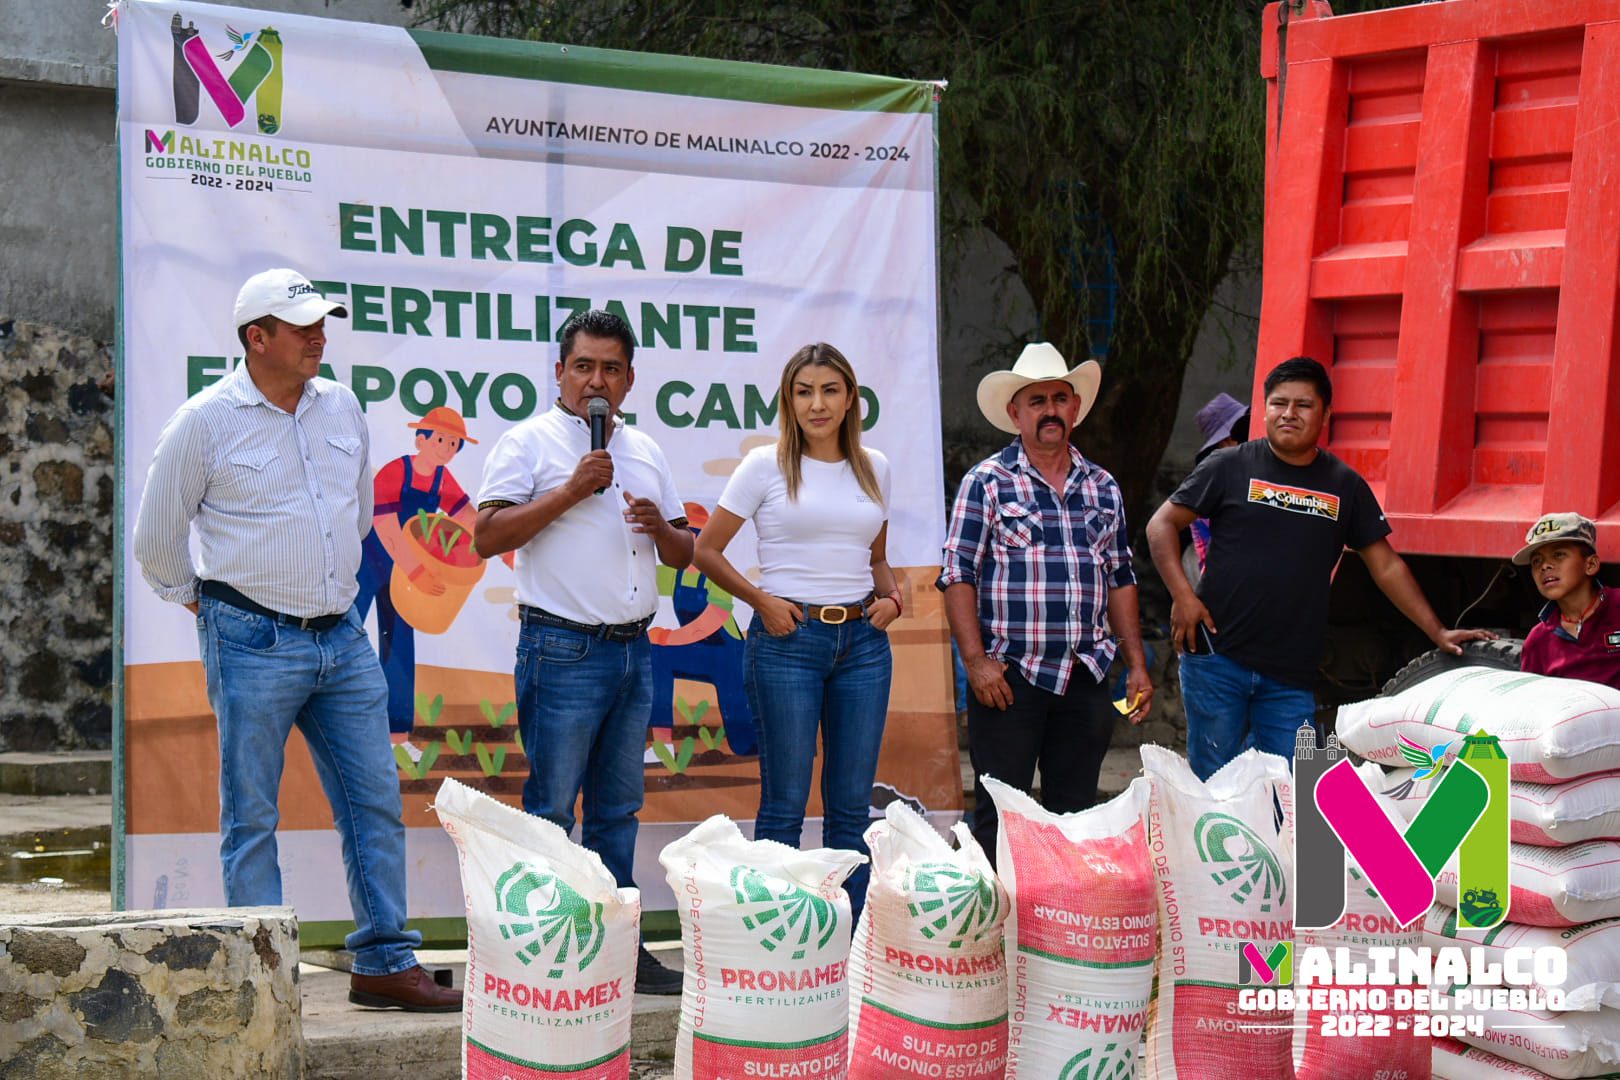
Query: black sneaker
[(653, 977)]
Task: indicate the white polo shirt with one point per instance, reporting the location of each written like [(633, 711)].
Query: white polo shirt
[(587, 565)]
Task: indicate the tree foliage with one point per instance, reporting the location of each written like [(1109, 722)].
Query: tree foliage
[(1097, 139)]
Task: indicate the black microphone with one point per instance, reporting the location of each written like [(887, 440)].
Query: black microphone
[(597, 408)]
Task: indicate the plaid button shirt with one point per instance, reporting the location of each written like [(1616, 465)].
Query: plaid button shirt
[(1042, 563)]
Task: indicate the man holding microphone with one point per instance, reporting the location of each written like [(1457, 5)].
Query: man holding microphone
[(590, 508)]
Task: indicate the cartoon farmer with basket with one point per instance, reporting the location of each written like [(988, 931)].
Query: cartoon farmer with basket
[(417, 562)]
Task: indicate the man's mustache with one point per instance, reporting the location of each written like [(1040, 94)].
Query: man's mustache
[(1057, 420)]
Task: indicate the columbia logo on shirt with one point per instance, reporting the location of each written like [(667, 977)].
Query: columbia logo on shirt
[(1293, 499)]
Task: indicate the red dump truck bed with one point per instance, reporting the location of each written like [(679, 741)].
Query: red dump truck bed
[(1443, 231)]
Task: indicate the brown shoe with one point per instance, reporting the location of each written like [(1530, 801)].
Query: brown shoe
[(412, 990)]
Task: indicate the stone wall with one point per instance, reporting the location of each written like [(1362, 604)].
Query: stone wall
[(56, 530), (184, 994)]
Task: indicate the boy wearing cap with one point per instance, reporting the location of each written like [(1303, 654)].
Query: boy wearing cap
[(1578, 635), (269, 467)]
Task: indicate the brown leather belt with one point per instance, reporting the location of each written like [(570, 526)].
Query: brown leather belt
[(837, 614)]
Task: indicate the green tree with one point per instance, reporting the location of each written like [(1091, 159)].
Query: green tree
[(1096, 138)]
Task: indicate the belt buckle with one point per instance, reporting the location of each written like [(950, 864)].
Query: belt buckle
[(843, 616), (303, 623)]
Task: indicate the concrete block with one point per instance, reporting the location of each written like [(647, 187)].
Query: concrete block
[(151, 993), (73, 772), (346, 1042)]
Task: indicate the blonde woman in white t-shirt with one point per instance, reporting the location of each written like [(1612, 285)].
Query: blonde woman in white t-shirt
[(817, 656)]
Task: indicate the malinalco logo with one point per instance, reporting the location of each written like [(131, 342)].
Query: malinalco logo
[(1465, 815), (785, 916), (554, 923), (253, 61), (1240, 861), (951, 905), (1276, 966), (1111, 1062)]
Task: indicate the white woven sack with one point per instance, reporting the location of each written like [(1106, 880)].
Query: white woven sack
[(1544, 815), (1551, 729), (1453, 1060), (1366, 924), (1081, 934), (765, 933), (1568, 1045), (1562, 886), (551, 947), (1223, 857), (1591, 952), (927, 980)]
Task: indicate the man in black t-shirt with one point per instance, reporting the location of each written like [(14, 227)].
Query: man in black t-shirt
[(1281, 511)]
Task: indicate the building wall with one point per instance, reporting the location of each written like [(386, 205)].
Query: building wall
[(58, 219)]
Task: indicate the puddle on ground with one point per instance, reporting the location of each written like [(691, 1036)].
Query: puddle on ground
[(64, 858)]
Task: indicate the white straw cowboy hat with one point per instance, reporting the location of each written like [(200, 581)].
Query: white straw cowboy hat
[(1039, 362)]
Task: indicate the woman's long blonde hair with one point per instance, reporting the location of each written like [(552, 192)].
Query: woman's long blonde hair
[(790, 447)]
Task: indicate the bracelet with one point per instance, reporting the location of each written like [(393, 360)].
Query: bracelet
[(899, 608)]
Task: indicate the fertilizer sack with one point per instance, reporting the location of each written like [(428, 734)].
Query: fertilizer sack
[(1567, 886), (765, 932), (1543, 815), (1081, 934), (927, 980), (551, 947), (1551, 729), (1329, 1045), (1222, 856), (1567, 1045), (1458, 1061), (1591, 952)]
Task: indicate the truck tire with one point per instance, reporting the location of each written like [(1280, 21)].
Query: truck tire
[(1503, 653)]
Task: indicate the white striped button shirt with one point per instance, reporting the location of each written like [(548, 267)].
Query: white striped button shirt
[(280, 502)]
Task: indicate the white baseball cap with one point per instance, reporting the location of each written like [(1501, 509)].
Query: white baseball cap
[(287, 295)]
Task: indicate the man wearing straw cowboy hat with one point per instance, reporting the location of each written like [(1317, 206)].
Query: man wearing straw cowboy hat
[(1036, 571)]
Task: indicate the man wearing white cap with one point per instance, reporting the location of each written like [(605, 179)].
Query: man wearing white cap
[(1036, 571), (269, 465)]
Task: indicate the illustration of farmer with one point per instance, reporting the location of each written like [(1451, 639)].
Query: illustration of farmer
[(706, 647), (408, 490)]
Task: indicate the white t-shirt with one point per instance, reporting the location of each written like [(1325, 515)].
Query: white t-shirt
[(587, 565), (817, 549)]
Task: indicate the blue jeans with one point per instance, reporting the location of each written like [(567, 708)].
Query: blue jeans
[(396, 644), (1230, 706), (264, 678), (583, 705), (831, 679)]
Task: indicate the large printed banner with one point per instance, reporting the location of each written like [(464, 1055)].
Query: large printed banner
[(463, 197)]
